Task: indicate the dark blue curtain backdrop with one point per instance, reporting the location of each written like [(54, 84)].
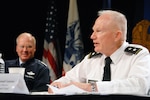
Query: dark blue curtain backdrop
[(30, 15), (147, 9)]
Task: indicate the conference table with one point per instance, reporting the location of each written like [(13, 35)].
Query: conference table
[(10, 90), (15, 96)]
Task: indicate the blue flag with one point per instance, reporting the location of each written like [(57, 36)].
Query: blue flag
[(74, 45)]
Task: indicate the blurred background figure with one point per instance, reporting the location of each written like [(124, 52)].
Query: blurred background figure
[(36, 72)]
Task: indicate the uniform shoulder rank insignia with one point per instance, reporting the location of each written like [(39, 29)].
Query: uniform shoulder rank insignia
[(93, 54), (133, 50)]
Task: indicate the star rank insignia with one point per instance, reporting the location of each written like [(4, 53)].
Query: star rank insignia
[(93, 54), (133, 50)]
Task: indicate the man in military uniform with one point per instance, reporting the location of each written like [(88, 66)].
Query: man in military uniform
[(36, 72), (129, 64)]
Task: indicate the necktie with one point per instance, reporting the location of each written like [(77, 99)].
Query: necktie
[(107, 72)]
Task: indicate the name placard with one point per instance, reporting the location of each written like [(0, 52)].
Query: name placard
[(13, 83)]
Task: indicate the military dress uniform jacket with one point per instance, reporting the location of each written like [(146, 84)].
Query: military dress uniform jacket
[(36, 74)]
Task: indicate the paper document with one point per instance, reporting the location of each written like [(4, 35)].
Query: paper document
[(71, 89), (13, 83)]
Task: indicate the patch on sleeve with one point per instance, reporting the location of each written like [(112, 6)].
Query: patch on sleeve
[(133, 50), (93, 54)]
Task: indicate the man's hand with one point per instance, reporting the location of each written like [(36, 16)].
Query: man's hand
[(84, 86), (50, 90), (57, 85)]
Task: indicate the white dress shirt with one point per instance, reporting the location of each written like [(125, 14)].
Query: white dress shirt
[(130, 73)]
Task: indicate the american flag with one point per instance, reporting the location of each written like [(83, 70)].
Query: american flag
[(74, 45), (50, 56)]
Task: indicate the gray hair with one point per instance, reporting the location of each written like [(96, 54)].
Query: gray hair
[(119, 19), (28, 35)]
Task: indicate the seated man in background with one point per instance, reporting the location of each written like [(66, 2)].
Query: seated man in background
[(36, 72)]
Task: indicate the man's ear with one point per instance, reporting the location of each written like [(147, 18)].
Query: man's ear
[(118, 35)]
